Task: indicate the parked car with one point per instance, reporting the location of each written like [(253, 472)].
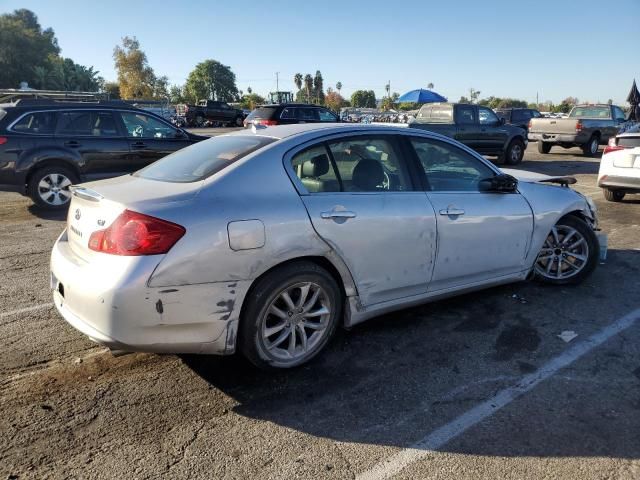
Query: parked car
[(477, 127), (619, 172), (267, 239), (518, 116), (288, 113), (211, 111), (46, 146), (587, 127)]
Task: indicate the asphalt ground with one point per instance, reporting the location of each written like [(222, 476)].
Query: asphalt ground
[(478, 386)]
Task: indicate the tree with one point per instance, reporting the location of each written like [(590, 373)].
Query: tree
[(249, 90), (308, 86), (161, 87), (176, 94), (339, 87), (297, 79), (333, 100), (112, 89), (389, 102), (610, 102), (135, 76), (464, 99), (363, 99), (430, 86), (251, 100), (473, 95), (24, 46), (318, 87), (213, 81)]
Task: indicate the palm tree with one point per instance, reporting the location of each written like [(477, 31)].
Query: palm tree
[(249, 90), (430, 86), (308, 85), (387, 87), (297, 79), (339, 87)]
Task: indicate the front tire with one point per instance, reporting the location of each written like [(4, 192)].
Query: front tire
[(49, 187), (613, 195), (291, 314), (544, 147), (515, 152), (569, 253), (239, 122)]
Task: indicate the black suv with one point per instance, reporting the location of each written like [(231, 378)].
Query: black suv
[(287, 113), (46, 145), (518, 116)]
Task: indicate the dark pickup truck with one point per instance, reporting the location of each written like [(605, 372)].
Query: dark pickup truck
[(477, 127), (212, 111), (587, 127)]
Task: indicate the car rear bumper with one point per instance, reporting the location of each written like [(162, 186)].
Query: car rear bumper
[(619, 182), (557, 138), (112, 304)]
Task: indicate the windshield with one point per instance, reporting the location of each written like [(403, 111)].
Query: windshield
[(590, 112), (203, 159)]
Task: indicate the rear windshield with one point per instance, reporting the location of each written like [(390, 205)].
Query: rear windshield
[(262, 112), (203, 159), (591, 112), (435, 114), (629, 141)]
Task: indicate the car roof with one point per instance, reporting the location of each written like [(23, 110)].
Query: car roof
[(277, 105)]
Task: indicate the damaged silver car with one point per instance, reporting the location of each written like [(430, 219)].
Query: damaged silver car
[(266, 240)]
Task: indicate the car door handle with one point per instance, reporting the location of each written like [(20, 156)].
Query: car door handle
[(451, 211), (338, 214), (72, 144), (139, 145)]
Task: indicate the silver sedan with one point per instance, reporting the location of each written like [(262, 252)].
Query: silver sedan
[(266, 240)]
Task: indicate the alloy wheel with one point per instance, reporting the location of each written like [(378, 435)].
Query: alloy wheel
[(295, 322), (564, 254), (516, 153), (53, 189)]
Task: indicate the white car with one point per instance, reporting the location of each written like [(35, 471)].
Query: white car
[(620, 166)]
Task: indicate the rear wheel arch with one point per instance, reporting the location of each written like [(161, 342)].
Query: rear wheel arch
[(53, 162)]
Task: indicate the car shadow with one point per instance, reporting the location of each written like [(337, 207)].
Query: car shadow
[(45, 214), (400, 376), (560, 167)]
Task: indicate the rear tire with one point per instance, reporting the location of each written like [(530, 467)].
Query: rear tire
[(544, 147), (590, 149), (267, 323), (48, 187), (239, 122), (515, 152), (613, 195)]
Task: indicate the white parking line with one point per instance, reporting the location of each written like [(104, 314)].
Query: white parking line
[(451, 430), (26, 309)]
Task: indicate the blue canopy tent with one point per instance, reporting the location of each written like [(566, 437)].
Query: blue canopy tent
[(421, 96)]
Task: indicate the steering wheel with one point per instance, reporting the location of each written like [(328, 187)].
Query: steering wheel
[(138, 131)]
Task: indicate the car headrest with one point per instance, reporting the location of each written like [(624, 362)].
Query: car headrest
[(316, 166), (367, 174)]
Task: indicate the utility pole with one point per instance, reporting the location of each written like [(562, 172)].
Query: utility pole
[(277, 87), (537, 101)]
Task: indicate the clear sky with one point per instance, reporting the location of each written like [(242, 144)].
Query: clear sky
[(556, 48)]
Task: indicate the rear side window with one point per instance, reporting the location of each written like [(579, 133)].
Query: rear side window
[(40, 123), (263, 112), (203, 159), (288, 114), (94, 124), (629, 142), (307, 114), (465, 115), (521, 115)]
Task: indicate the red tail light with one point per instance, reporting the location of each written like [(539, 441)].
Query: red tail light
[(610, 148), (530, 122), (133, 233), (3, 140), (266, 123), (578, 126)]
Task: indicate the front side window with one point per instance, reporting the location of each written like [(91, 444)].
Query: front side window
[(139, 125), (619, 114), (466, 115), (449, 168), (487, 117), (326, 116), (86, 123), (203, 159), (37, 123)]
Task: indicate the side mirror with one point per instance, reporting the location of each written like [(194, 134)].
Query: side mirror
[(502, 121), (180, 134), (500, 183)]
